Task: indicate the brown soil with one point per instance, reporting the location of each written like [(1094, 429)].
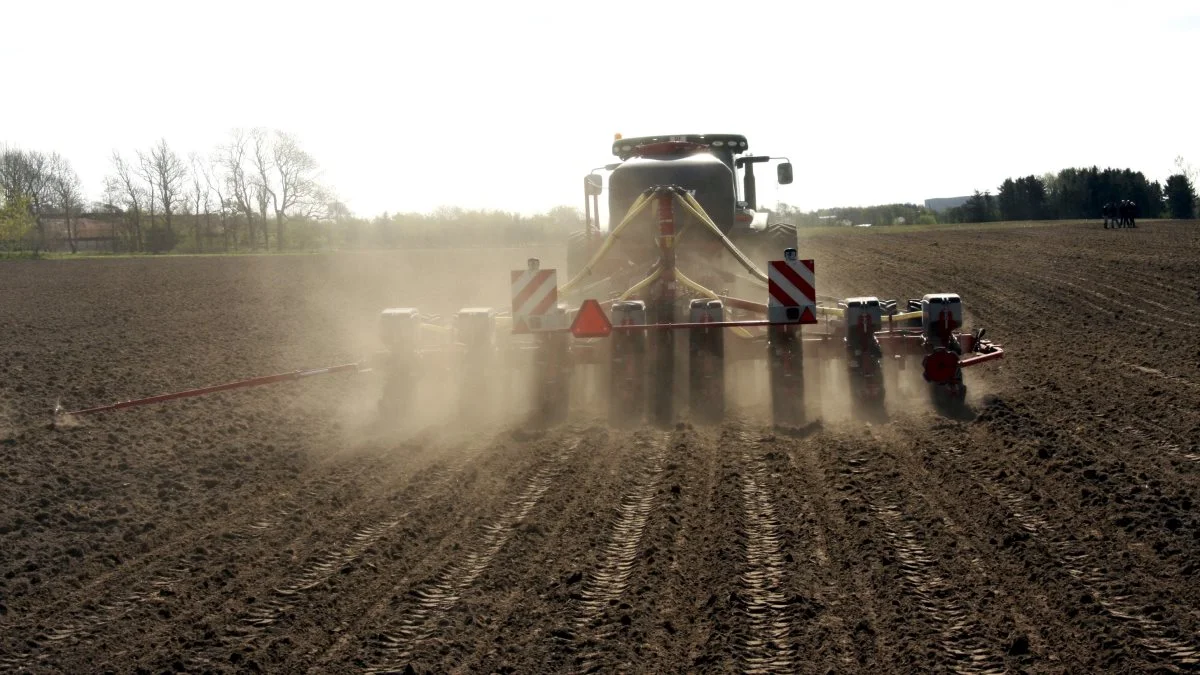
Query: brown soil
[(280, 529)]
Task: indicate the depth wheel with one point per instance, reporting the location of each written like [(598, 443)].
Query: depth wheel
[(552, 370), (627, 379), (706, 374), (662, 404), (785, 358)]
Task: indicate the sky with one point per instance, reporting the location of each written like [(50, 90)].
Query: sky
[(409, 106)]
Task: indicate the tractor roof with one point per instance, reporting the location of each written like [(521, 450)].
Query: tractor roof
[(647, 145)]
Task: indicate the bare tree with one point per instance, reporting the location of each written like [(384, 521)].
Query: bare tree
[(124, 183), (261, 196), (146, 171), (169, 177), (109, 207), (297, 193), (261, 160), (214, 183), (67, 193), (233, 156), (1186, 169), (201, 194)]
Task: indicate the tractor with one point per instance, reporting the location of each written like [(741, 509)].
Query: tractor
[(657, 308)]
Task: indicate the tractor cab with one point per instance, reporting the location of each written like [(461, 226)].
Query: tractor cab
[(707, 167), (704, 164)]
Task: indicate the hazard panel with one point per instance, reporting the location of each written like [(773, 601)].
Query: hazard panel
[(534, 300), (792, 297)]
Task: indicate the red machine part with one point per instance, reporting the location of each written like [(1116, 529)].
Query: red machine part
[(941, 366), (667, 148)]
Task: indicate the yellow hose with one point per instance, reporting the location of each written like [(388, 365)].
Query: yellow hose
[(689, 202), (643, 283), (634, 209), (683, 279)]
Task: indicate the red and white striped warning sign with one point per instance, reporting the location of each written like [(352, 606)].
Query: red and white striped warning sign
[(792, 298), (534, 298)]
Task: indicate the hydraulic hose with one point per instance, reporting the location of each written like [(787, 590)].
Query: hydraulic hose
[(683, 279), (635, 209), (643, 283), (689, 202)]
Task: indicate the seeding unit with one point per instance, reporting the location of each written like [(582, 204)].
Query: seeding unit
[(668, 322)]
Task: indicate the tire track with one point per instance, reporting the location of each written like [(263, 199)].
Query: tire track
[(610, 580), (958, 634), (1111, 592), (1117, 303), (435, 600), (332, 560), (256, 624), (152, 578), (768, 648), (850, 598), (167, 590)]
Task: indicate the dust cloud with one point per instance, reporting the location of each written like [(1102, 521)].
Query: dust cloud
[(338, 316), (337, 320)]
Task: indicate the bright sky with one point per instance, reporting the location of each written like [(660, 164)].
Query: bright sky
[(412, 105)]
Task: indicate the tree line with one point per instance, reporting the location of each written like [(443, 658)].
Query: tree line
[(258, 191), (880, 214), (1080, 193), (244, 195)]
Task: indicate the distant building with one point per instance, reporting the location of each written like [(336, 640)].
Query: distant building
[(91, 234), (939, 204)]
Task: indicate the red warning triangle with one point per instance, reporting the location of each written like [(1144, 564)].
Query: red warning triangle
[(591, 321), (807, 316)]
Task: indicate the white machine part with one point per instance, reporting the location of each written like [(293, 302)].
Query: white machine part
[(863, 309), (706, 311), (400, 327), (629, 313), (938, 306), (475, 325)]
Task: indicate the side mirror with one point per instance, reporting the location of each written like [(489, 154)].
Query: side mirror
[(784, 173), (593, 184)]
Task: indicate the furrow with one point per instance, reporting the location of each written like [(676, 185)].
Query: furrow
[(768, 647), (410, 630), (611, 578)]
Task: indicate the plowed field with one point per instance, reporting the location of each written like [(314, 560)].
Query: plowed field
[(281, 529)]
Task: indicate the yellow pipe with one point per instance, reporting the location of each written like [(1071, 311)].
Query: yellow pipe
[(643, 283), (634, 209), (683, 279), (689, 202)]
